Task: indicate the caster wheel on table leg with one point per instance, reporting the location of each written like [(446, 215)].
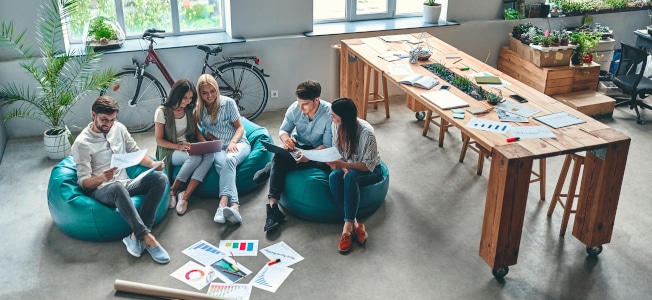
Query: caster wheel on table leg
[(500, 272), (420, 115), (594, 251)]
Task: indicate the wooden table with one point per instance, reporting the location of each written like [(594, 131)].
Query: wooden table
[(511, 163)]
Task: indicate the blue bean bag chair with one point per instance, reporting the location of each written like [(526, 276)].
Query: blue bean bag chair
[(256, 160), (308, 196), (84, 218)]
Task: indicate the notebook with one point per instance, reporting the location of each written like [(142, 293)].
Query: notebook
[(488, 80), (205, 147), (420, 81), (444, 99), (294, 155)]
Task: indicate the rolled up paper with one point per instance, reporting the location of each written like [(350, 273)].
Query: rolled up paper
[(161, 291)]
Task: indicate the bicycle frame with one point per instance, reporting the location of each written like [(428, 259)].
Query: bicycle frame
[(152, 58)]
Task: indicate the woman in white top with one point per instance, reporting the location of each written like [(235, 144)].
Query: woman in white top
[(220, 117), (175, 128)]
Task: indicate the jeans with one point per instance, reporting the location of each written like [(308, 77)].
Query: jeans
[(346, 189), (119, 195), (225, 165), (191, 165), (281, 166)]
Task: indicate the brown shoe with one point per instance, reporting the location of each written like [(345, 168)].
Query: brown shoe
[(346, 242), (360, 233)]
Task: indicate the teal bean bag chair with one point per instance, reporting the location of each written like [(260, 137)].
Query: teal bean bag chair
[(308, 196), (256, 160), (84, 218)]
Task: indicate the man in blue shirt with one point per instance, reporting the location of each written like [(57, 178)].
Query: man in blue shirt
[(309, 116)]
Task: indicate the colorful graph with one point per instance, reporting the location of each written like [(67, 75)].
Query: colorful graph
[(237, 291), (240, 247), (203, 252), (195, 274)]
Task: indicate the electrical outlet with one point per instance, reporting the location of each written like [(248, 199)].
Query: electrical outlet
[(274, 94)]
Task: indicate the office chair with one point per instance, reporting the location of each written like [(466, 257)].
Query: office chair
[(629, 78)]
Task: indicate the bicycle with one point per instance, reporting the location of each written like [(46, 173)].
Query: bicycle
[(139, 93)]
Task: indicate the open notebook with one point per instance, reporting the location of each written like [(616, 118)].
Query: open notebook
[(444, 99)]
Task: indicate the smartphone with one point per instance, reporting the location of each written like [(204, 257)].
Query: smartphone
[(444, 87), (518, 98)]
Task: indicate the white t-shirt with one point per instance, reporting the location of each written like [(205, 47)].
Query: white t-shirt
[(180, 124)]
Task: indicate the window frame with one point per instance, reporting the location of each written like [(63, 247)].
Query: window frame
[(350, 14)]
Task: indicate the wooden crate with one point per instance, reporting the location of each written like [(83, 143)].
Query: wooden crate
[(548, 80), (550, 58), (414, 105), (590, 103)]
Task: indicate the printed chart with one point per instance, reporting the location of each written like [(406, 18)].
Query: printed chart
[(194, 275), (281, 250), (237, 291), (204, 252), (271, 277), (487, 125), (240, 247)]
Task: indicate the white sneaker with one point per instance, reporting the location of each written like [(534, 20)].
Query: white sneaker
[(232, 215), (219, 215)]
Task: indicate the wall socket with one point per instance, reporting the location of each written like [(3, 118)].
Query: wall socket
[(274, 94)]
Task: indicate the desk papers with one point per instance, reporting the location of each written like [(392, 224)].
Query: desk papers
[(532, 132), (323, 155), (420, 81), (125, 160), (444, 99), (486, 125), (517, 109), (559, 120), (400, 70), (506, 116)]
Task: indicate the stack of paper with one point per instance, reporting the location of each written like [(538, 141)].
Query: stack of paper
[(444, 99)]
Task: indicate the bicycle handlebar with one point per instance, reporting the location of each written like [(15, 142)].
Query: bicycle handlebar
[(152, 33)]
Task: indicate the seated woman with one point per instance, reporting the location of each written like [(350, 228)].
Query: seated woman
[(360, 166), (175, 128), (220, 117)]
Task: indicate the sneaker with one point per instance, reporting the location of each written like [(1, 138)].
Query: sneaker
[(274, 217), (182, 205), (173, 201), (133, 246), (232, 215), (219, 215), (360, 233), (346, 242), (262, 174), (158, 254)]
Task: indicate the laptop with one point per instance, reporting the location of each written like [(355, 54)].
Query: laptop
[(201, 148), (282, 151)]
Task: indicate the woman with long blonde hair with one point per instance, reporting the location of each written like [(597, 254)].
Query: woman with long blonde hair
[(220, 117)]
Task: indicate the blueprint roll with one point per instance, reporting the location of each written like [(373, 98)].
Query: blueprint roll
[(160, 291)]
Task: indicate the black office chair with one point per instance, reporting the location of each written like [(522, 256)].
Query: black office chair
[(629, 78)]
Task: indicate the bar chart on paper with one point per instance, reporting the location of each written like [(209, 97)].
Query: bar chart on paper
[(240, 247), (203, 252)]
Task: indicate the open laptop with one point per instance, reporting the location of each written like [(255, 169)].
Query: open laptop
[(201, 148), (282, 151)]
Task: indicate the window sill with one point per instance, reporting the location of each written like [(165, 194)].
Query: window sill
[(170, 42), (372, 25)]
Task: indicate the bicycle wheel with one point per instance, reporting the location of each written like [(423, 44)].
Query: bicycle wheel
[(137, 107), (246, 85)]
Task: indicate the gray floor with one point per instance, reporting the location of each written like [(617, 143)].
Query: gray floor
[(423, 241)]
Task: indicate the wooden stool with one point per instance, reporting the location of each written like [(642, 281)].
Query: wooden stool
[(374, 97), (467, 143), (442, 124), (578, 162)]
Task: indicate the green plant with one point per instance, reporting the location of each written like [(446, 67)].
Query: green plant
[(62, 78), (100, 27), (511, 14), (588, 42), (431, 3)]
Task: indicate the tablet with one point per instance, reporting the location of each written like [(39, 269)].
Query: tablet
[(282, 151), (205, 147)]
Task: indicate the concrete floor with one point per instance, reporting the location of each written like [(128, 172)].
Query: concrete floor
[(423, 241)]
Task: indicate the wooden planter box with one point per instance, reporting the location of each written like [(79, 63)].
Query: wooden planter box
[(549, 80), (590, 103), (542, 56)]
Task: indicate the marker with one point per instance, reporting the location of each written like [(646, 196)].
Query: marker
[(274, 261), (464, 69), (236, 262), (513, 139)]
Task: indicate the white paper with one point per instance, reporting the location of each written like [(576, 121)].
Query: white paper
[(560, 119), (194, 275), (532, 132), (240, 247), (204, 252), (141, 175), (125, 160), (396, 38), (400, 70), (323, 155), (230, 290), (229, 271), (506, 116), (281, 250), (486, 125), (271, 277), (517, 109)]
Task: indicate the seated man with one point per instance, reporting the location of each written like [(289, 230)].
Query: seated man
[(92, 151), (310, 116)]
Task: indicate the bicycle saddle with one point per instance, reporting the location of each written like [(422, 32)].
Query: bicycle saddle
[(210, 49)]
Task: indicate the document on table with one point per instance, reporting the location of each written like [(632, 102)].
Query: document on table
[(281, 250), (271, 277), (486, 125), (125, 160), (532, 132), (559, 120), (230, 290), (506, 116), (323, 155), (400, 69), (514, 108), (488, 76)]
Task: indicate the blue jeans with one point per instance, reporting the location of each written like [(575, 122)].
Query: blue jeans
[(346, 189), (225, 165), (119, 195), (191, 165)]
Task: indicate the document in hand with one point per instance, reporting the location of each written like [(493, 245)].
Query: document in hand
[(444, 99), (418, 80)]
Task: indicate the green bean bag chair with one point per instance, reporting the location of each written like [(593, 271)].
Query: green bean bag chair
[(256, 160), (84, 218), (308, 196)]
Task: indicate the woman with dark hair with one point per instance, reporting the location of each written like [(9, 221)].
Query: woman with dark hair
[(355, 140), (175, 127)]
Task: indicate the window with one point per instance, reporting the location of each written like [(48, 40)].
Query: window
[(134, 16), (355, 10)]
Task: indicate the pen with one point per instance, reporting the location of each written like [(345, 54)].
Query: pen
[(271, 262), (236, 262), (232, 273), (513, 139)]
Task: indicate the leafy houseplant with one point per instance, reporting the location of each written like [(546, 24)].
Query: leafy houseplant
[(431, 11), (587, 43), (103, 33), (62, 78)]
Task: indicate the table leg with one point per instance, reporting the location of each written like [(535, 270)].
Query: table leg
[(352, 78)]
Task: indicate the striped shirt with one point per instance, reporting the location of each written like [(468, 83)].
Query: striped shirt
[(223, 128), (367, 151)]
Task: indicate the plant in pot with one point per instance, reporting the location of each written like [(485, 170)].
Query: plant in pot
[(62, 78), (587, 43), (103, 33), (431, 11)]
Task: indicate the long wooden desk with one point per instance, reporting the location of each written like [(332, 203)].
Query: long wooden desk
[(511, 163)]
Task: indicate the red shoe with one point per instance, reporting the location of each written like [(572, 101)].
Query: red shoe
[(346, 242), (360, 233)]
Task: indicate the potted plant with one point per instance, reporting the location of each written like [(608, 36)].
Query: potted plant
[(62, 78), (431, 11), (103, 33), (587, 43)]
